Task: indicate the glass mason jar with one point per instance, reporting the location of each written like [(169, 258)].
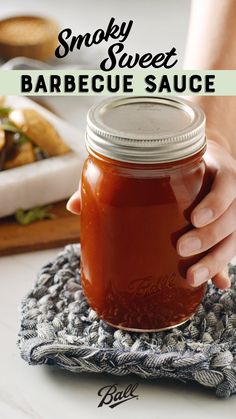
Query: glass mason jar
[(144, 175)]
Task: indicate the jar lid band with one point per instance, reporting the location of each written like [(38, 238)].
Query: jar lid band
[(146, 129)]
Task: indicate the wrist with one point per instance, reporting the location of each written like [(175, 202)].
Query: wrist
[(215, 136)]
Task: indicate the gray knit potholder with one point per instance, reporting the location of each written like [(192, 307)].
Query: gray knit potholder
[(58, 327)]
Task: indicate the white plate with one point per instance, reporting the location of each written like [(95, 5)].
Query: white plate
[(46, 181)]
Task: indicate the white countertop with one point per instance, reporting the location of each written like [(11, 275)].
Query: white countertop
[(43, 392)]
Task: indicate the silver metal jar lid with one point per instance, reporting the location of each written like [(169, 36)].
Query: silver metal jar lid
[(143, 129)]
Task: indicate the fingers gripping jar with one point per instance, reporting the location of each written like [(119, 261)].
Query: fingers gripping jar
[(144, 174)]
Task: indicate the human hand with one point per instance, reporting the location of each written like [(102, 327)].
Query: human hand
[(73, 205), (214, 219)]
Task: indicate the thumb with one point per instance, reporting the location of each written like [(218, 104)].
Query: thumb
[(74, 203)]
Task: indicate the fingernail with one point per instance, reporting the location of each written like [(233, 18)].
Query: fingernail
[(200, 276), (203, 216), (189, 246)]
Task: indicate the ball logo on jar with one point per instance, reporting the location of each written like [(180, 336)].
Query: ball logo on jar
[(149, 285)]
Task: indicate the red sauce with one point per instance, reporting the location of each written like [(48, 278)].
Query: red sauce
[(131, 218)]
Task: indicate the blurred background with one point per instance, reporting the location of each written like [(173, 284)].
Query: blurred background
[(25, 189), (158, 26)]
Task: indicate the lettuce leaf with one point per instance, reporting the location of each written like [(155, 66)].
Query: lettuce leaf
[(34, 214)]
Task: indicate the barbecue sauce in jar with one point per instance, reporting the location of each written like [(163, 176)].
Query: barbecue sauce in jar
[(144, 175)]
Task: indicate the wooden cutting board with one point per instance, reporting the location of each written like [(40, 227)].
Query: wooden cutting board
[(45, 234)]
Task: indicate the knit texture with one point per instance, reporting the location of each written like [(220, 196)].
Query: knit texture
[(58, 327)]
